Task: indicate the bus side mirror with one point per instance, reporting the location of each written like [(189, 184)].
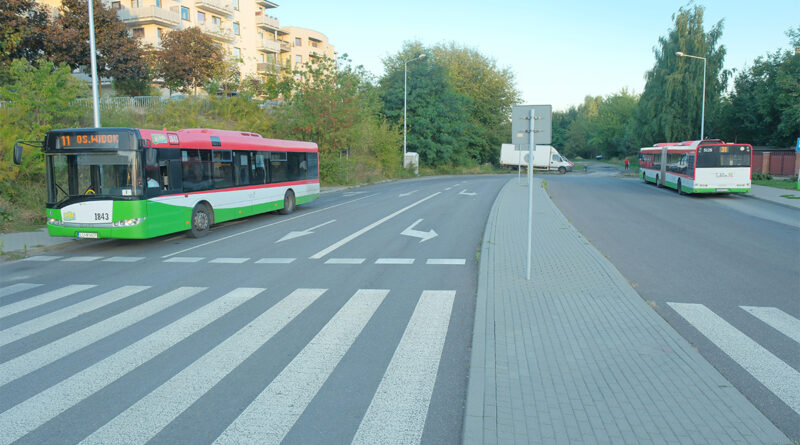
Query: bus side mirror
[(17, 154)]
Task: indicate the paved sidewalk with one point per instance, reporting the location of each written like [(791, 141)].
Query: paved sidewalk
[(776, 195), (576, 356)]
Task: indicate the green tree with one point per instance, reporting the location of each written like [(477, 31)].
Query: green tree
[(438, 117), (670, 106), (118, 55), (188, 59), (22, 33), (764, 108)]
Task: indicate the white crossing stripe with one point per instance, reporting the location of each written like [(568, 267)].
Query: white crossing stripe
[(394, 261), (184, 259), (143, 420), (400, 405), (34, 412), (41, 323), (45, 298), (345, 261), (124, 259), (42, 258), (778, 320), (82, 259), (447, 261), (33, 360), (15, 288), (275, 261), (768, 369), (273, 413), (229, 260)]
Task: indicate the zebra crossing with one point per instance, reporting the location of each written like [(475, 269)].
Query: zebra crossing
[(775, 374), (396, 413)]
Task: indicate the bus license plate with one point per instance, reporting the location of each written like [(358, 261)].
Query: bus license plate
[(87, 235), (722, 190)]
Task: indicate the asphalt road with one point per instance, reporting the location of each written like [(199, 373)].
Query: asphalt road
[(348, 320), (724, 271)]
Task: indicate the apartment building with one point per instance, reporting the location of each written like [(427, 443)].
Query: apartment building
[(243, 28)]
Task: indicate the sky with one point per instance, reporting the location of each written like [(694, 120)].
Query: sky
[(559, 51)]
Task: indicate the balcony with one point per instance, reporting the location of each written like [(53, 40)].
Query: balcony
[(268, 23), (268, 68), (215, 6), (217, 33), (266, 4), (269, 46), (285, 46), (149, 15)]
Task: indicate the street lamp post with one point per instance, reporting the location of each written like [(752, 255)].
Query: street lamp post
[(703, 109), (405, 100)]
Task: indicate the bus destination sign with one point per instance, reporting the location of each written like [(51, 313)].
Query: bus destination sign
[(87, 140)]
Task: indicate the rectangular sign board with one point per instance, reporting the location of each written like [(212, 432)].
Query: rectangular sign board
[(543, 125)]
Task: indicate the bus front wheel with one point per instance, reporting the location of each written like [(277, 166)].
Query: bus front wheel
[(201, 221), (289, 203)]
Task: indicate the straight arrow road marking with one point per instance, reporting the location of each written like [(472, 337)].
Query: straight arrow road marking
[(423, 236), (298, 234)]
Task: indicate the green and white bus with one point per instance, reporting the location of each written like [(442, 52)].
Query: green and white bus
[(137, 183), (707, 166)]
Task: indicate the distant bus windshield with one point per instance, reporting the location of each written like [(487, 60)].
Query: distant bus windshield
[(723, 156)]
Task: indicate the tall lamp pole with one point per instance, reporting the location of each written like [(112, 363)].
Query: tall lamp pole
[(405, 100), (703, 109), (95, 80)]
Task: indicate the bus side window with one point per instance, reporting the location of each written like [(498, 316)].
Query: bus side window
[(242, 167), (259, 169)]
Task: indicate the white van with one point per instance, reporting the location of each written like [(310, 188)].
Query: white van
[(544, 157)]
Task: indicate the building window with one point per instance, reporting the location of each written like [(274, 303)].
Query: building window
[(158, 33), (237, 53), (298, 59), (201, 17), (236, 28), (136, 3), (116, 5), (184, 13), (216, 20), (158, 3), (262, 58), (298, 41), (236, 5), (138, 33)]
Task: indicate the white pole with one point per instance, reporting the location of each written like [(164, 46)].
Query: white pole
[(703, 109), (405, 94), (93, 52), (530, 190)]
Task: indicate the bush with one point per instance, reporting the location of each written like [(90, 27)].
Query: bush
[(761, 176)]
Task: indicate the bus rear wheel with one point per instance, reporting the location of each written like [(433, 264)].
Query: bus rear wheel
[(201, 221), (289, 203)]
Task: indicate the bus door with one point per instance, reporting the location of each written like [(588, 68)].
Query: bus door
[(661, 180)]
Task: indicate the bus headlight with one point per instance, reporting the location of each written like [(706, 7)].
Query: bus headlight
[(55, 222), (128, 222)]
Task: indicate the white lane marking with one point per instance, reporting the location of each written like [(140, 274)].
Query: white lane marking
[(124, 259), (298, 234), (403, 195), (184, 259), (18, 287), (271, 415), (394, 261), (345, 261), (423, 236), (768, 369), (398, 410), (42, 258), (275, 260), (229, 260), (148, 416), (448, 188), (366, 229), (447, 261), (778, 320), (41, 323), (268, 225), (82, 259), (464, 192), (44, 298), (33, 360), (34, 412)]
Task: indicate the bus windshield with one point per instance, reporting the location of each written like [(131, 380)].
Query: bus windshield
[(88, 175), (723, 156)]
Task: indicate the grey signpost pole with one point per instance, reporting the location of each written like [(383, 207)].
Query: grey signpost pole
[(531, 134)]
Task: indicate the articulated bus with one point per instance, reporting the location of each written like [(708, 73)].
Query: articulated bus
[(137, 183), (707, 166)]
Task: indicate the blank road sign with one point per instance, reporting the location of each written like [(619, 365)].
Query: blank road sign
[(520, 124)]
